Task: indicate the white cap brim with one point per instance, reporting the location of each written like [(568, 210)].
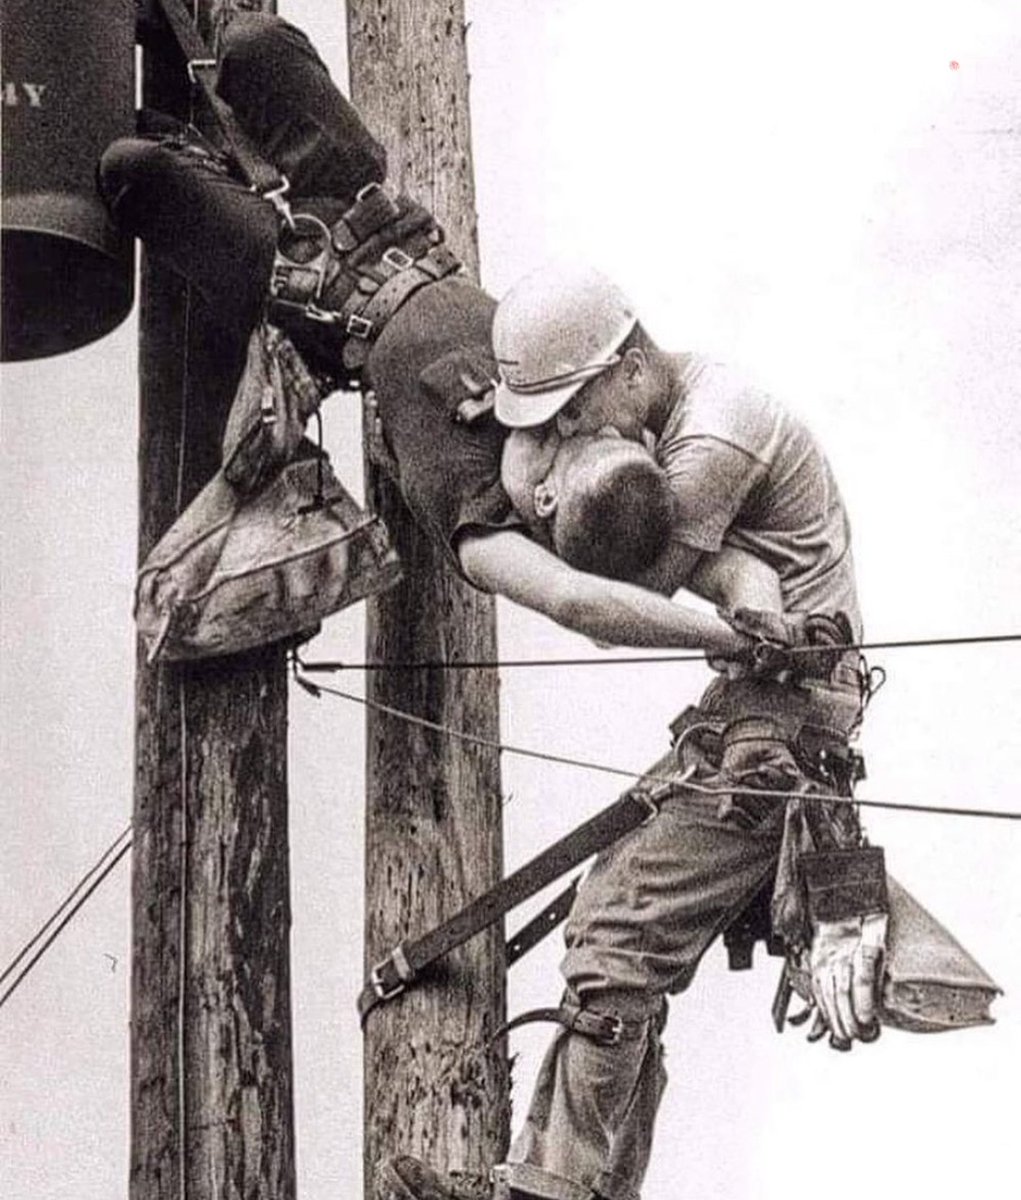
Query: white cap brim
[(520, 410)]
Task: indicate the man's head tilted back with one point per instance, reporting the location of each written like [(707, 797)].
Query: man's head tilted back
[(609, 506), (572, 355), (557, 329)]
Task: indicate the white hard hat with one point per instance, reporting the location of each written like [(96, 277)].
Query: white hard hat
[(556, 329)]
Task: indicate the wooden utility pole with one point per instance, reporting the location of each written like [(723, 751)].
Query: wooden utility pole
[(433, 826), (211, 1078)]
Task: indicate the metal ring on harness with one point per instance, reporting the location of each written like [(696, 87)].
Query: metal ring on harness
[(302, 279), (321, 229)]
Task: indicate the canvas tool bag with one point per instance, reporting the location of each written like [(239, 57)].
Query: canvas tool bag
[(235, 572), (931, 982), (275, 398)]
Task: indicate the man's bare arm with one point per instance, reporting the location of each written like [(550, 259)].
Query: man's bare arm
[(508, 563), (735, 579), (729, 578)]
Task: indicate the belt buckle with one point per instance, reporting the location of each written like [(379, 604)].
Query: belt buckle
[(359, 327), (616, 1032), (396, 258), (379, 987)]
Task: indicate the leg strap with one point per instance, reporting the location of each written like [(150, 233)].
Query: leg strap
[(604, 1028)]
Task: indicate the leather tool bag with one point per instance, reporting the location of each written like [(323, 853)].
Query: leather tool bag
[(237, 572)]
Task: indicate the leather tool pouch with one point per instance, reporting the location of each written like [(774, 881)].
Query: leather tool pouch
[(462, 382), (931, 983)]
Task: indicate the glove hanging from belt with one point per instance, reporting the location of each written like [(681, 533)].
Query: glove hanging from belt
[(839, 973), (339, 285)]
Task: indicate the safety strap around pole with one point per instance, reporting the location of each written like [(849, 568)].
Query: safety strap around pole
[(261, 176), (409, 959), (541, 924)]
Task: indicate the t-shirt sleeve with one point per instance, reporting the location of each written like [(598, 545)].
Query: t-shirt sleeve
[(712, 480)]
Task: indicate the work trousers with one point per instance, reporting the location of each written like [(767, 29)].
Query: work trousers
[(193, 213), (195, 216), (645, 915)]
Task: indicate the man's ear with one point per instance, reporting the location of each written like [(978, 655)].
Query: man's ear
[(545, 499), (635, 364)]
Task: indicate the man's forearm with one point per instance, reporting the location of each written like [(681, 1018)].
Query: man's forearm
[(606, 610), (625, 615)]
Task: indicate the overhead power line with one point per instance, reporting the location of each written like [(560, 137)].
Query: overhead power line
[(58, 923), (116, 851), (68, 899), (629, 660), (317, 689)]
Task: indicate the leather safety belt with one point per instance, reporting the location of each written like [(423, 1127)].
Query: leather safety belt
[(409, 959)]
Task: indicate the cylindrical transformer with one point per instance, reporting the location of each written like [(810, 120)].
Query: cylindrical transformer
[(68, 91)]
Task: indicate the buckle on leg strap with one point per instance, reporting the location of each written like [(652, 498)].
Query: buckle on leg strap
[(604, 1028), (600, 1027)]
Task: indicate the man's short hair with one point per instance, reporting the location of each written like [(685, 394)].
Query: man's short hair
[(615, 510)]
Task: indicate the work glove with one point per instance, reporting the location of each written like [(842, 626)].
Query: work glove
[(790, 646), (848, 913)]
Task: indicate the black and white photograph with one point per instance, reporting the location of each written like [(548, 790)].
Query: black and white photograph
[(509, 574)]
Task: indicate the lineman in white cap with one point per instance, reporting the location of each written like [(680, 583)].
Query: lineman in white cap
[(557, 329), (574, 359), (575, 367)]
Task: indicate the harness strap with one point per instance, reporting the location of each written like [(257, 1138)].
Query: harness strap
[(605, 1028), (259, 174), (542, 924), (408, 960), (362, 271), (821, 750), (364, 317), (373, 208)]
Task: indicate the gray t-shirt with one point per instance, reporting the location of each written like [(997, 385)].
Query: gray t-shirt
[(749, 474)]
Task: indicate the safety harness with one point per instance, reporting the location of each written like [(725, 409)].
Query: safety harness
[(409, 960), (354, 275), (349, 277), (822, 753)]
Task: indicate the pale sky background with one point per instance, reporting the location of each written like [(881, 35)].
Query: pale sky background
[(813, 192)]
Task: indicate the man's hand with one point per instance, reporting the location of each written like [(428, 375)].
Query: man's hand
[(846, 893), (791, 646)]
